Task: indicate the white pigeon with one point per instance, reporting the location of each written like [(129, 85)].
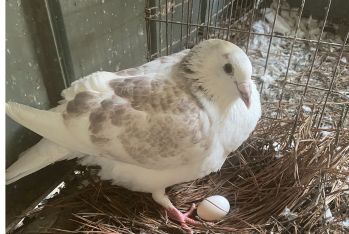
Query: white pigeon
[(172, 120)]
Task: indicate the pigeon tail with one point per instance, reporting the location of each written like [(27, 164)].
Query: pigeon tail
[(44, 123), (35, 158), (47, 123)]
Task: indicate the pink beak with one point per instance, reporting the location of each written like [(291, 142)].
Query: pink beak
[(245, 93)]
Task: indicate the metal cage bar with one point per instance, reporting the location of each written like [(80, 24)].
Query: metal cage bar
[(299, 109), (233, 20)]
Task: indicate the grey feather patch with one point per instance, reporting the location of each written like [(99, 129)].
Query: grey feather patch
[(123, 88), (81, 104), (97, 118), (133, 71), (179, 118), (98, 140), (109, 110), (186, 64), (109, 103), (116, 115), (186, 68)]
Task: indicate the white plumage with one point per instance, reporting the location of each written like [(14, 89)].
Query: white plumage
[(172, 120)]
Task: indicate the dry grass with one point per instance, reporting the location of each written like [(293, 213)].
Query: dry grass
[(306, 176)]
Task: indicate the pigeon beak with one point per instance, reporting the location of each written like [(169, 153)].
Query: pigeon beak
[(245, 93)]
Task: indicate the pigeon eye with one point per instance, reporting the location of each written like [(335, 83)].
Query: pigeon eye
[(228, 68)]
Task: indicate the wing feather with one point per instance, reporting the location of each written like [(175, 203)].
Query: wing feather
[(98, 81), (157, 125), (139, 116)]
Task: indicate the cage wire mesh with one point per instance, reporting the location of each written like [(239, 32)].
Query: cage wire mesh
[(296, 60), (300, 65), (292, 174)]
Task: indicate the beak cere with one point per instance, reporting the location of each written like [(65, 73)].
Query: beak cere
[(245, 93)]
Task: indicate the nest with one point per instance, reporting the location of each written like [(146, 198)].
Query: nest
[(273, 184), (292, 175)]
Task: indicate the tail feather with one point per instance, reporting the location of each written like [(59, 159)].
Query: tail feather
[(49, 124), (35, 158), (49, 150), (39, 121)]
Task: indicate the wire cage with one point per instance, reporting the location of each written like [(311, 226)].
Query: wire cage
[(296, 59), (293, 171), (299, 52)]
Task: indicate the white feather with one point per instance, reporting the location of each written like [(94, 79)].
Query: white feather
[(221, 118), (48, 124), (35, 158)]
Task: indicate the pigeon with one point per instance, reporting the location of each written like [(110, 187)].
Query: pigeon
[(172, 120)]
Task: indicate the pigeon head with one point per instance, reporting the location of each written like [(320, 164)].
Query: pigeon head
[(219, 71)]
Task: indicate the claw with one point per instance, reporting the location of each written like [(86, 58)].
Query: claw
[(183, 219)]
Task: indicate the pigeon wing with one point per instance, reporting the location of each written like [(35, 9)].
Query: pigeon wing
[(139, 116)]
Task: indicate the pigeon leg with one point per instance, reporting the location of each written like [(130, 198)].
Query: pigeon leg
[(183, 219), (174, 213)]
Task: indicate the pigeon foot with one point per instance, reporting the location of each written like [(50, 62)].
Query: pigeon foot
[(183, 219)]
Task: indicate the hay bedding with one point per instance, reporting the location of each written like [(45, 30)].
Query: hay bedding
[(271, 189), (274, 185)]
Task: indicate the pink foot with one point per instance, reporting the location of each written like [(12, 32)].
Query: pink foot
[(183, 219)]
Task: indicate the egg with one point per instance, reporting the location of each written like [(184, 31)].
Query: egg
[(213, 208)]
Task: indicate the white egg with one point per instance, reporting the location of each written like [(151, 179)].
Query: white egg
[(213, 208)]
